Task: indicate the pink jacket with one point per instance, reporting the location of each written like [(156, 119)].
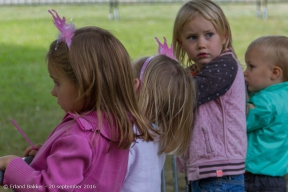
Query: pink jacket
[(74, 158), (218, 141)]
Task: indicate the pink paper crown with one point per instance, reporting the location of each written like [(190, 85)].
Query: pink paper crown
[(66, 30), (163, 49)]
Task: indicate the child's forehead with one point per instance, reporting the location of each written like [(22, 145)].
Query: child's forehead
[(55, 69), (256, 51), (259, 55), (200, 24)]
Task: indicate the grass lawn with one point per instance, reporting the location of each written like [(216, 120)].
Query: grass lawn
[(27, 31)]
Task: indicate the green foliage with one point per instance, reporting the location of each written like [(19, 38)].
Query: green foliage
[(26, 32)]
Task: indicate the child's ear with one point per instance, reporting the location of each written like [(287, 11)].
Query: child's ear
[(136, 84), (277, 73)]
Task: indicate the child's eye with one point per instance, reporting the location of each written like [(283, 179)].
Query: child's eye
[(192, 37), (209, 34), (250, 66), (56, 83)]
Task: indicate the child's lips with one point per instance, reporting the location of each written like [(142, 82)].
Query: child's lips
[(202, 55)]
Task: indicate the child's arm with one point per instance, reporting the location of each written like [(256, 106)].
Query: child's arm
[(69, 157), (215, 78), (5, 160), (248, 107), (260, 113)]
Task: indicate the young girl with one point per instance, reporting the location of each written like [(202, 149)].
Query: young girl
[(216, 155), (166, 94), (88, 150), (266, 77)]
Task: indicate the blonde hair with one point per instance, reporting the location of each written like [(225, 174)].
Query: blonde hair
[(100, 67), (167, 97), (211, 12), (275, 48)]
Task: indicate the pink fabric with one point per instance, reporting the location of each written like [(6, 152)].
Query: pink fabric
[(218, 138), (69, 161)]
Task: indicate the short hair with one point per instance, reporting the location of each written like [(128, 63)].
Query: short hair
[(210, 11), (275, 48)]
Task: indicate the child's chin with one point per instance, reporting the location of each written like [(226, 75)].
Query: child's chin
[(250, 89)]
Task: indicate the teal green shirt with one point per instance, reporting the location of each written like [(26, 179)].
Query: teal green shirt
[(267, 131)]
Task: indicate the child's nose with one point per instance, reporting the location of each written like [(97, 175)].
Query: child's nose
[(201, 42), (245, 73), (53, 93)]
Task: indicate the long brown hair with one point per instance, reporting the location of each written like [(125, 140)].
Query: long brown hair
[(167, 97), (100, 67)]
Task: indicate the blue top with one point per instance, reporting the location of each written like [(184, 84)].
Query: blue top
[(267, 131)]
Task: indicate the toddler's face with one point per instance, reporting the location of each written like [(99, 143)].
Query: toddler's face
[(259, 70), (200, 40)]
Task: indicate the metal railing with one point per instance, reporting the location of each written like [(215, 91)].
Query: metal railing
[(174, 174)]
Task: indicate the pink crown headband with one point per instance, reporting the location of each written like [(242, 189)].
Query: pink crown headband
[(66, 30), (163, 49)]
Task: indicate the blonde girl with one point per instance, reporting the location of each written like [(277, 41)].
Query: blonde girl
[(166, 94), (202, 39), (89, 149)]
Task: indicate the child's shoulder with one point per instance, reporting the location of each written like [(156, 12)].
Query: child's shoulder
[(85, 122), (225, 57), (88, 124), (273, 94), (223, 64)]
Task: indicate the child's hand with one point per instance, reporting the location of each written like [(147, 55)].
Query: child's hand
[(5, 160), (248, 107), (193, 69), (30, 151)]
